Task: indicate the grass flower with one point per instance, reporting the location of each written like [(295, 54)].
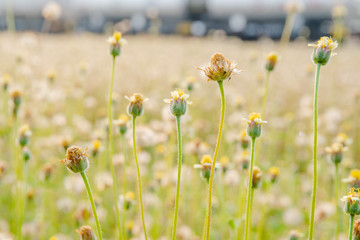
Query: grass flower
[(116, 42), (77, 162), (321, 55), (219, 69), (323, 50), (135, 109), (205, 166), (352, 207), (178, 107), (254, 131)]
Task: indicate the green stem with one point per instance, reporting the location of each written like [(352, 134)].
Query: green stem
[(337, 200), (123, 143), (249, 194), (221, 126), (21, 198), (139, 179), (312, 212), (111, 151), (88, 189), (351, 226), (178, 176)]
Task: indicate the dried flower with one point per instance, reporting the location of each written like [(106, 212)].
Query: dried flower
[(178, 103), (323, 50), (86, 233), (135, 107), (76, 160), (219, 68)]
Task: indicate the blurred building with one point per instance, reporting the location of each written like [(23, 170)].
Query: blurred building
[(248, 19)]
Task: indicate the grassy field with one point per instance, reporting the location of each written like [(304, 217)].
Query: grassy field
[(64, 81)]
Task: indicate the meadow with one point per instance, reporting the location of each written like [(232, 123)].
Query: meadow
[(63, 81)]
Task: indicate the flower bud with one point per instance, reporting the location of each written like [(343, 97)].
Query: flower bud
[(26, 154), (295, 235), (96, 144), (25, 134), (191, 80), (116, 41), (122, 122), (254, 127), (16, 98), (244, 160), (129, 200), (86, 233), (135, 107), (178, 103), (205, 166), (323, 50), (219, 68), (271, 60), (335, 152), (5, 81), (352, 206), (274, 173), (244, 141), (256, 178), (76, 160)]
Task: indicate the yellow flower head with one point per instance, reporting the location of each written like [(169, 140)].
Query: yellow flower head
[(219, 68), (224, 161), (274, 171), (271, 60), (178, 94), (160, 149), (116, 39), (355, 173), (51, 74), (96, 144), (130, 195), (255, 117), (24, 130), (325, 43), (15, 94), (243, 134), (6, 78), (124, 118), (136, 98), (206, 159)]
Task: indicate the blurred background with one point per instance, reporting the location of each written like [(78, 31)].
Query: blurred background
[(247, 19)]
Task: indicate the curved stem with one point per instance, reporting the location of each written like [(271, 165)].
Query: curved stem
[(88, 189), (178, 176), (312, 212), (139, 179), (249, 194), (221, 126), (337, 200), (111, 151), (351, 226)]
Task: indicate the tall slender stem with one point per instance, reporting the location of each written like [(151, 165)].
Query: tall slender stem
[(123, 143), (221, 126), (351, 226), (139, 178), (88, 189), (337, 200), (178, 176), (249, 194), (111, 151), (312, 212)]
